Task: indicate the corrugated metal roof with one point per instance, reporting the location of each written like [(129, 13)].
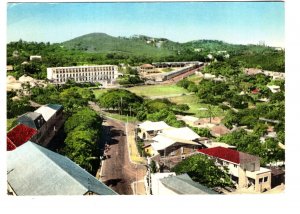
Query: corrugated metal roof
[(184, 133), (229, 155), (34, 170), (32, 119), (222, 153), (55, 106), (154, 126), (48, 110), (183, 184)]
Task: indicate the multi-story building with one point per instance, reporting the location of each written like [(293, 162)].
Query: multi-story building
[(243, 168), (104, 74)]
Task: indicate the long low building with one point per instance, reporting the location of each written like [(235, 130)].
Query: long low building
[(104, 74)]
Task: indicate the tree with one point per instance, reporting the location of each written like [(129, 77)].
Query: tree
[(260, 129), (202, 132), (153, 168), (83, 133), (80, 146), (85, 118), (203, 170), (120, 99), (17, 107)]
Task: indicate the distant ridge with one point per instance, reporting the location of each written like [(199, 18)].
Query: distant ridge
[(104, 43), (142, 45)]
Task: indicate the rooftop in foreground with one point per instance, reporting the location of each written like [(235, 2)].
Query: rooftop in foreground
[(35, 170)]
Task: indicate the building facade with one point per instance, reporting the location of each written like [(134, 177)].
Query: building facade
[(39, 126), (244, 169), (104, 74)]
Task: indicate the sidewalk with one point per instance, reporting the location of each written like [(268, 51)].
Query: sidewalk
[(134, 155)]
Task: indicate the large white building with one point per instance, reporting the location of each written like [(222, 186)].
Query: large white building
[(105, 74)]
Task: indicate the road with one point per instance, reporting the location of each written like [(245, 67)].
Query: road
[(117, 171)]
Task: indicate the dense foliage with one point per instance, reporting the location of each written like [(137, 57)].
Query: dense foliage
[(100, 48), (130, 77), (126, 103), (71, 97), (17, 107), (83, 131), (120, 100), (203, 170), (269, 151)]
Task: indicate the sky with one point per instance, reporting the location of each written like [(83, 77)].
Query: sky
[(233, 22)]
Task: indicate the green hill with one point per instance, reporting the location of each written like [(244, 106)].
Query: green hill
[(103, 43)]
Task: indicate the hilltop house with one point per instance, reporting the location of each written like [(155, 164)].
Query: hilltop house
[(34, 170), (244, 168)]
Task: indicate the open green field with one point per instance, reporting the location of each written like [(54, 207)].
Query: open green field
[(150, 90), (99, 92), (193, 102), (194, 78), (157, 90), (160, 91)]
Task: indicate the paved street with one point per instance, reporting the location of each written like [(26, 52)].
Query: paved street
[(117, 171)]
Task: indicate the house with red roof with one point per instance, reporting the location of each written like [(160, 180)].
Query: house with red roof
[(19, 135), (244, 169), (39, 126)]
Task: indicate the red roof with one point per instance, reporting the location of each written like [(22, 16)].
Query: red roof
[(222, 153), (19, 135), (255, 91), (10, 145)]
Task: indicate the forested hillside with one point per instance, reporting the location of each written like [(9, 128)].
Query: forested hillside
[(100, 48)]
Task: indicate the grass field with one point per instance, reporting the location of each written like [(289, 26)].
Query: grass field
[(168, 90), (194, 78), (157, 90), (121, 117), (193, 102), (150, 90), (99, 92)]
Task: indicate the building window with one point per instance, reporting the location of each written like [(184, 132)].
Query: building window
[(265, 179), (235, 166), (260, 180)]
